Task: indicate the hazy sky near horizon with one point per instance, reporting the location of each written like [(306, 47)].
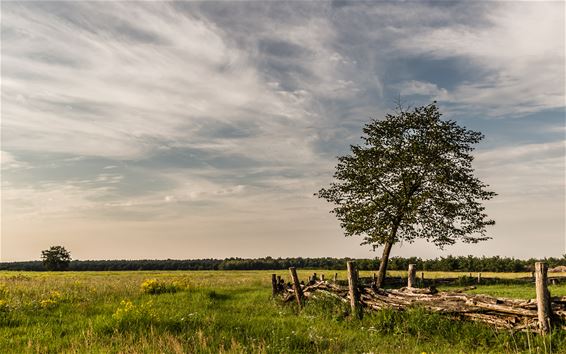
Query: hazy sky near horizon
[(202, 129)]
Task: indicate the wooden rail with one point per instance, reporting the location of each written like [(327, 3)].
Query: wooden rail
[(541, 312)]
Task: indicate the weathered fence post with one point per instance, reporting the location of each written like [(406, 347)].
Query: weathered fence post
[(543, 297), (322, 277), (353, 287), (297, 286), (422, 280), (411, 278), (274, 285), (479, 277), (335, 278)]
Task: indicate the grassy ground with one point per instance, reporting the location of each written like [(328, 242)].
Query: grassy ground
[(229, 311)]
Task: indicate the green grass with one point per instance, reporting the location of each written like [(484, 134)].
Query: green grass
[(228, 311)]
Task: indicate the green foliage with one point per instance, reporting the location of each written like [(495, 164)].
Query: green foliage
[(129, 314), (449, 263), (327, 307), (411, 178), (4, 306), (3, 291), (56, 258)]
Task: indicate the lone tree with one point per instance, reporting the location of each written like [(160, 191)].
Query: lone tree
[(56, 258), (411, 178)]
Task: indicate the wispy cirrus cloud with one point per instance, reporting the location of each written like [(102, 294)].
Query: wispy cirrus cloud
[(532, 171), (220, 117), (519, 58), (9, 161), (106, 85)]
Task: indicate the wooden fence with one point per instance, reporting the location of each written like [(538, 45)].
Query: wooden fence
[(541, 313)]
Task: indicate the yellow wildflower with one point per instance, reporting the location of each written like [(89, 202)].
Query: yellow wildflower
[(3, 305)]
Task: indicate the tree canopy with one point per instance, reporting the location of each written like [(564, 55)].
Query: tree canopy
[(445, 264), (56, 258), (411, 178)]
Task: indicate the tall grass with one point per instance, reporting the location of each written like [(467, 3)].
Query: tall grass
[(215, 312)]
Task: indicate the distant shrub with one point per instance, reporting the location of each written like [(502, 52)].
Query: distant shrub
[(56, 258), (154, 286)]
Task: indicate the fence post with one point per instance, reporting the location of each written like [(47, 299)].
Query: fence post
[(479, 277), (335, 278), (411, 278), (543, 297), (274, 285), (353, 289), (322, 277), (297, 287), (422, 280)]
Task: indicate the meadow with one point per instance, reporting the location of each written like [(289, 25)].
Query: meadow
[(231, 312)]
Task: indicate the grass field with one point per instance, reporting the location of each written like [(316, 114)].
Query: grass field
[(229, 311)]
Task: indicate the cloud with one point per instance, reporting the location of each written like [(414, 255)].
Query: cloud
[(50, 200), (521, 153), (9, 161), (519, 58), (415, 87), (228, 116), (525, 173), (105, 85)]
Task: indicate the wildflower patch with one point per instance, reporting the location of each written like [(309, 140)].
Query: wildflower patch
[(53, 299), (128, 314), (154, 286)]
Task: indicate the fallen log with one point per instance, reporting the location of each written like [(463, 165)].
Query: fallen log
[(504, 313), (502, 308)]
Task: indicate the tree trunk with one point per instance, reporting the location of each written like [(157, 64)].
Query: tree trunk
[(383, 264)]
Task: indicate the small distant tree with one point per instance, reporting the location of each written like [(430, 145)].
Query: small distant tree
[(411, 178), (56, 258)]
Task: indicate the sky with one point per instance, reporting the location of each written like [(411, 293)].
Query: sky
[(202, 129)]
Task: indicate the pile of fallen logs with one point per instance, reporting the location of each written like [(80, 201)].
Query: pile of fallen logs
[(500, 312)]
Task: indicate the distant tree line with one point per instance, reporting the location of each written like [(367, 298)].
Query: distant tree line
[(449, 263)]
